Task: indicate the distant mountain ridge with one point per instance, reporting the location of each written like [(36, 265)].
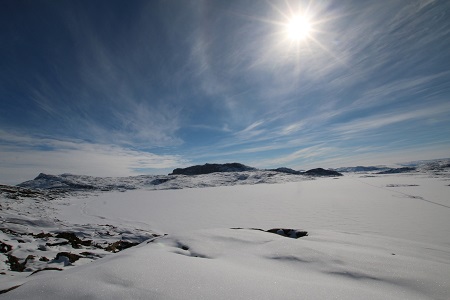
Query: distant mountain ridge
[(80, 183), (210, 175), (237, 167), (207, 175), (212, 168), (361, 169), (398, 170), (432, 165)]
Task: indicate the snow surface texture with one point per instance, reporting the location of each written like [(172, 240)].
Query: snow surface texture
[(369, 236)]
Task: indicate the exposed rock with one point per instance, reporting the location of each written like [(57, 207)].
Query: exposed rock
[(73, 240), (4, 248), (91, 255), (71, 256), (42, 235), (360, 169), (291, 233), (119, 246), (56, 244), (212, 168), (11, 232), (159, 181), (10, 289), (398, 170), (286, 170), (322, 172), (15, 265), (14, 192)]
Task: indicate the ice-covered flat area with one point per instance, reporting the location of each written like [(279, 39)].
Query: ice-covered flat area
[(363, 205), (369, 237)]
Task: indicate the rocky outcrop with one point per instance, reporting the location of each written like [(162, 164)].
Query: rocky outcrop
[(286, 170), (322, 172), (360, 169), (61, 182), (398, 170), (16, 192), (286, 232), (212, 168)]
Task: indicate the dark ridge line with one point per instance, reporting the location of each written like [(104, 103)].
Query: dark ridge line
[(404, 194), (9, 289)]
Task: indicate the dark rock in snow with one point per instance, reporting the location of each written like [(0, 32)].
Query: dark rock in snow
[(5, 248), (9, 289), (15, 264), (360, 169), (14, 192), (322, 172), (287, 171), (42, 235), (119, 246), (398, 170), (71, 256), (159, 181), (73, 239), (291, 233), (57, 244), (212, 168)]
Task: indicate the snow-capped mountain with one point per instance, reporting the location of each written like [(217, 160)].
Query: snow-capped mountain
[(207, 175)]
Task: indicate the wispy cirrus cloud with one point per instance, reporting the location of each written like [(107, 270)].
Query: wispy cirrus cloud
[(23, 157), (305, 154), (362, 125), (108, 90)]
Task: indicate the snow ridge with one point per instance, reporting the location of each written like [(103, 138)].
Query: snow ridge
[(73, 183)]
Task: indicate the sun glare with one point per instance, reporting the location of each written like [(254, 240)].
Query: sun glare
[(298, 28)]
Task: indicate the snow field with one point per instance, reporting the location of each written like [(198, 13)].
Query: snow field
[(383, 237)]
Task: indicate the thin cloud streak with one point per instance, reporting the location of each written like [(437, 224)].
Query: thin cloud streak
[(28, 156), (378, 121)]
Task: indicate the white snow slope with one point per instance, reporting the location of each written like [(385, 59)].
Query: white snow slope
[(369, 237)]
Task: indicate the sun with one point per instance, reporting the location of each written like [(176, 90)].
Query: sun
[(298, 28)]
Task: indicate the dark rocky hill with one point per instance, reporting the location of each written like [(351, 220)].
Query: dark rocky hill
[(286, 170), (212, 168), (322, 172)]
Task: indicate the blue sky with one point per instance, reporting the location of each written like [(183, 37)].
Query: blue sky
[(135, 87)]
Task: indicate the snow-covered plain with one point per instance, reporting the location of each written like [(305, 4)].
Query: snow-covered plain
[(369, 236)]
